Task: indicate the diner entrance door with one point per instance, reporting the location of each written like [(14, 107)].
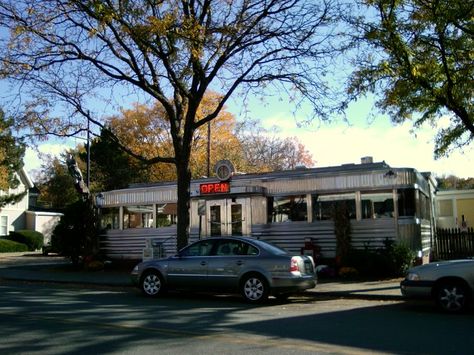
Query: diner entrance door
[(227, 217)]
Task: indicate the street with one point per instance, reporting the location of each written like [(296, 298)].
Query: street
[(41, 318)]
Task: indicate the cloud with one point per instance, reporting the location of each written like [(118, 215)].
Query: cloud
[(337, 142), (32, 159), (398, 145)]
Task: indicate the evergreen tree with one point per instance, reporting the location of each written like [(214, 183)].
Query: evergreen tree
[(12, 151)]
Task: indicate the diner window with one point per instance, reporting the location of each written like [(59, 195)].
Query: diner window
[(377, 205), (3, 225), (138, 216), (109, 218), (425, 210), (287, 209), (324, 205), (406, 203), (166, 214)]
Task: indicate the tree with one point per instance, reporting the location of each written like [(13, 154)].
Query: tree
[(75, 234), (249, 146), (420, 62), (171, 51), (145, 130), (111, 167), (264, 151), (55, 184), (12, 151), (452, 182)]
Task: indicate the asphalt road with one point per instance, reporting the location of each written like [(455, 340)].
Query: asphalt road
[(38, 318)]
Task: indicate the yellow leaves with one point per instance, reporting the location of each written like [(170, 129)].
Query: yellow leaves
[(415, 71), (161, 26), (171, 25), (145, 130), (3, 178)]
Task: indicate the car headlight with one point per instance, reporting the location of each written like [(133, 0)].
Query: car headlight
[(413, 276), (135, 269)]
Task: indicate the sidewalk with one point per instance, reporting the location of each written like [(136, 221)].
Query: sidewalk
[(36, 267)]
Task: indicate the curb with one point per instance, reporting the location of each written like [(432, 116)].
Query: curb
[(354, 293)]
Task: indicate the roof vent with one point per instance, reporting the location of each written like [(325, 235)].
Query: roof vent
[(366, 160)]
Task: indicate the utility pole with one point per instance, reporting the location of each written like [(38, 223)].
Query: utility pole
[(208, 149), (88, 169)]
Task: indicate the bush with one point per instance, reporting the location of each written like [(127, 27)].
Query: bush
[(402, 257), (32, 239), (391, 261), (9, 246), (369, 263), (75, 234)]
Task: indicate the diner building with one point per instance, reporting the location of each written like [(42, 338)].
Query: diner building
[(293, 209)]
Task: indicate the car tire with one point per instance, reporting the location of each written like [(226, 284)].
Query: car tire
[(254, 288), (452, 297), (152, 284)]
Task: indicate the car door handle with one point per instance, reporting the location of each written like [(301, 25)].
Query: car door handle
[(203, 263), (239, 262)]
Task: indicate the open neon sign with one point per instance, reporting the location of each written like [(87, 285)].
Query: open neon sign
[(214, 188)]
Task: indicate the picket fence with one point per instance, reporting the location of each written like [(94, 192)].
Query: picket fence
[(454, 243)]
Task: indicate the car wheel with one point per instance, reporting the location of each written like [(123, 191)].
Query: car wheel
[(452, 297), (152, 284), (254, 288)]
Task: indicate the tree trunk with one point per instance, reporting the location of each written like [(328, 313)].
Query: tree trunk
[(184, 196)]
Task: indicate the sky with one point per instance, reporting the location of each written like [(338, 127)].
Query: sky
[(338, 143)]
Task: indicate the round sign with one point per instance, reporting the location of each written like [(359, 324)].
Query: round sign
[(224, 170)]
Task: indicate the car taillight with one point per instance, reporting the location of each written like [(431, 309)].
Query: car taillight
[(294, 264)]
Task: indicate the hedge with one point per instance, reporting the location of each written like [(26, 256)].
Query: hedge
[(9, 246), (32, 239)]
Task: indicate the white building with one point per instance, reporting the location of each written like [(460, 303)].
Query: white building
[(17, 216), (455, 209)]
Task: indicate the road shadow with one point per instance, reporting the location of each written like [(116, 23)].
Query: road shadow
[(60, 312)]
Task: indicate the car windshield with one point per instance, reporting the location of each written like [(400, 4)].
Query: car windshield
[(271, 248)]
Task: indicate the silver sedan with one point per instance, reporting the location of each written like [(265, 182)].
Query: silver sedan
[(252, 267), (449, 283)]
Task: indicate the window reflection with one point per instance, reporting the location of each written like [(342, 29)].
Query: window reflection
[(287, 209), (377, 205), (324, 205), (138, 216), (109, 218), (406, 203), (166, 214)]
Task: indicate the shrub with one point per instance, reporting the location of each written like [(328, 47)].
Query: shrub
[(402, 257), (9, 246), (368, 263), (32, 239), (75, 235), (391, 261)]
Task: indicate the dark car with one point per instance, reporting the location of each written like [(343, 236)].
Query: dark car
[(252, 267), (449, 283)]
